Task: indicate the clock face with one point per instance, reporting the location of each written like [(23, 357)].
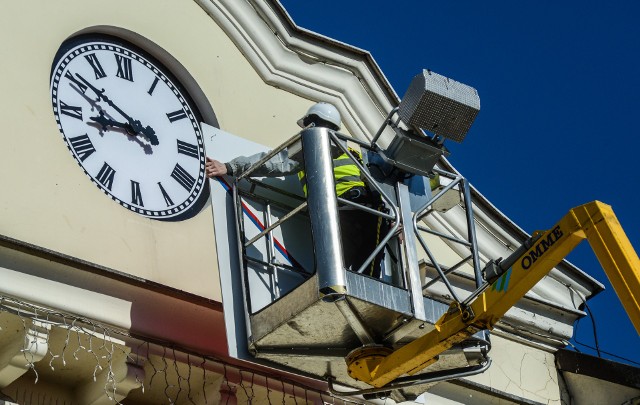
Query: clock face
[(130, 126)]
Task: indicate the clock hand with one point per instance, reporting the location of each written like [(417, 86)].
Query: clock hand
[(102, 96), (135, 125), (146, 131), (104, 122)]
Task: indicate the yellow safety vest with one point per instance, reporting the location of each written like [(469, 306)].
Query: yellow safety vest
[(345, 174)]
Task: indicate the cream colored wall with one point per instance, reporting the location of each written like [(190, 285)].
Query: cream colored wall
[(522, 371), (48, 201)]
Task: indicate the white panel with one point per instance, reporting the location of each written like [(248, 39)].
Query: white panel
[(296, 251)]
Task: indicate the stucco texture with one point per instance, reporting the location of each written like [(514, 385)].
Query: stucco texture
[(48, 201)]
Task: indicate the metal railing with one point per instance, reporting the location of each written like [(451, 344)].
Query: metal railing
[(321, 213), (462, 185)]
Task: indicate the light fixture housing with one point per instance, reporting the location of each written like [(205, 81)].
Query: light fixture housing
[(439, 105)]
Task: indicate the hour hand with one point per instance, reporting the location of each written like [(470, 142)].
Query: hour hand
[(146, 131), (131, 129), (108, 122)]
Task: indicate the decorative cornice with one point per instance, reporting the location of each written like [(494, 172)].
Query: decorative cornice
[(306, 64)]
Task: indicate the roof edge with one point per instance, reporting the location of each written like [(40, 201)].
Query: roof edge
[(602, 369)]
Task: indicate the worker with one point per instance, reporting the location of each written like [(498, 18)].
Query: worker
[(361, 231)]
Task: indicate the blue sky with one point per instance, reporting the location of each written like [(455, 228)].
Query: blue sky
[(559, 86)]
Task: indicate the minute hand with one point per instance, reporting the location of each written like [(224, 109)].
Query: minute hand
[(135, 124)]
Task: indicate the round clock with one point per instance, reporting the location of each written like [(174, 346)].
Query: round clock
[(130, 125)]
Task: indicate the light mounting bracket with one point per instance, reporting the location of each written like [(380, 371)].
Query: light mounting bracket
[(444, 107)]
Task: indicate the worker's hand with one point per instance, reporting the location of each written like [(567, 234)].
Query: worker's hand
[(399, 232), (213, 168)]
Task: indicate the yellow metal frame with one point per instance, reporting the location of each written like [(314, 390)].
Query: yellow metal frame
[(594, 221)]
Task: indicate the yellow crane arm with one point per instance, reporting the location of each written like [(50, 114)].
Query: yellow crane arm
[(594, 221)]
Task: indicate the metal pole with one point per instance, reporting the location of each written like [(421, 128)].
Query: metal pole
[(323, 213), (276, 224), (472, 232), (375, 138), (411, 255), (271, 254)]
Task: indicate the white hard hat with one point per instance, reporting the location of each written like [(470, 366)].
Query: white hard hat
[(325, 111)]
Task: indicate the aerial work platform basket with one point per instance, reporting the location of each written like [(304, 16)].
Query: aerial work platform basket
[(309, 317), (398, 334)]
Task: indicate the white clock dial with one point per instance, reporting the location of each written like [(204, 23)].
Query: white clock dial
[(130, 126)]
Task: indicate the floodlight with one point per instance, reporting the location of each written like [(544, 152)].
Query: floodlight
[(439, 105), (433, 103)]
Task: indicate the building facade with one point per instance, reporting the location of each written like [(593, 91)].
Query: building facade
[(112, 283)]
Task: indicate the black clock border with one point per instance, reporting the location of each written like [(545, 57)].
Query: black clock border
[(204, 192)]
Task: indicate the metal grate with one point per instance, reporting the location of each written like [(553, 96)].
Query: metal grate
[(440, 105)]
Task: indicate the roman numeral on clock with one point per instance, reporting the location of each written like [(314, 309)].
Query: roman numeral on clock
[(136, 196), (71, 111), (153, 85), (176, 115), (105, 176), (125, 70), (82, 146), (95, 64), (187, 149), (167, 199), (75, 81), (183, 177)]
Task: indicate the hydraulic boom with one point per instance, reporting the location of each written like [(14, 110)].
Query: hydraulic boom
[(508, 281)]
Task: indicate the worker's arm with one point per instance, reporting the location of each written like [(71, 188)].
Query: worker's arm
[(278, 165)]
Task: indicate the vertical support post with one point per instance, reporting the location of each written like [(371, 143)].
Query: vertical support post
[(411, 255), (271, 254), (473, 240), (323, 213), (471, 230)]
